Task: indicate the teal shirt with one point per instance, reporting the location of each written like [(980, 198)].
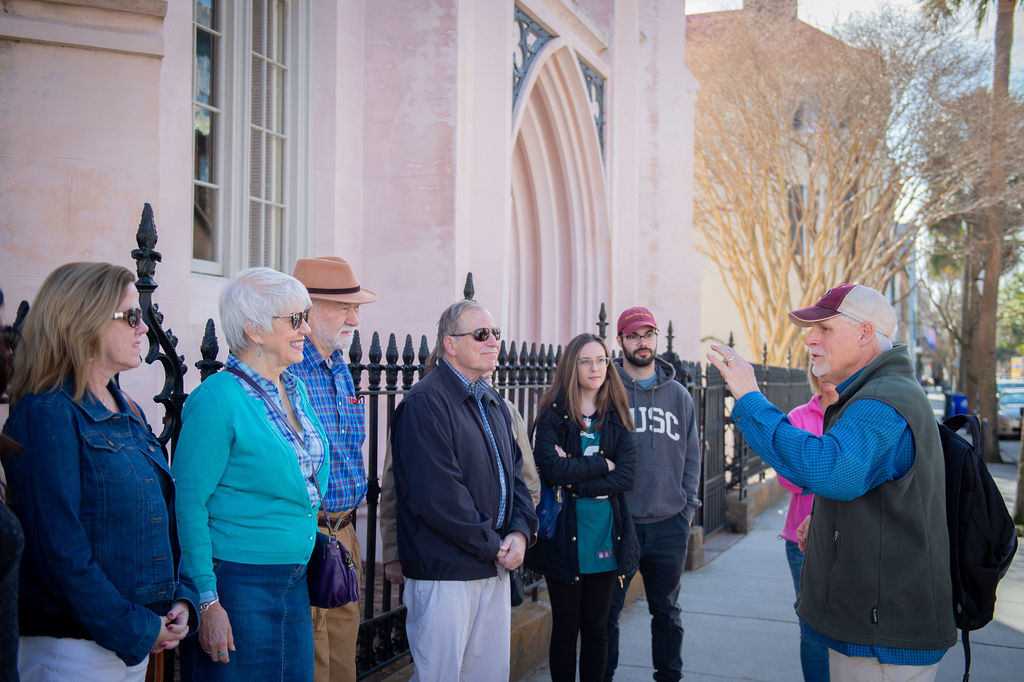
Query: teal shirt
[(240, 494), (596, 552)]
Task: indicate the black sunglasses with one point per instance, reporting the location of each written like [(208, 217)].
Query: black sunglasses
[(482, 334), (296, 318), (133, 316)]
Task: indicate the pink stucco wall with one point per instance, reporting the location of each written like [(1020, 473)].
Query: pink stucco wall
[(413, 158)]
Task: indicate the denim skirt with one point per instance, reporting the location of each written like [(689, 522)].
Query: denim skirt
[(268, 606)]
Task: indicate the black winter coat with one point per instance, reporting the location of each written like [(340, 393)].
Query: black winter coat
[(583, 477)]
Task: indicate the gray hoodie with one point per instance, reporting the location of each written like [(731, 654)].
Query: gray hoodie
[(668, 452)]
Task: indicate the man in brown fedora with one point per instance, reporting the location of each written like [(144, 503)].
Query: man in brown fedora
[(336, 296)]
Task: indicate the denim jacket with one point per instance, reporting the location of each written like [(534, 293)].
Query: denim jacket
[(92, 490)]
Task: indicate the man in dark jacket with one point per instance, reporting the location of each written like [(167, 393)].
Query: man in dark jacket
[(876, 577), (464, 512), (664, 495)]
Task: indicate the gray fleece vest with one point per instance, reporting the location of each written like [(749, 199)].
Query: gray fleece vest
[(876, 570)]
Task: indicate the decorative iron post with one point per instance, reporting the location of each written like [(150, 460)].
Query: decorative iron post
[(162, 344)]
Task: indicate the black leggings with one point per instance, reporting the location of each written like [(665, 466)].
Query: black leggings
[(581, 609)]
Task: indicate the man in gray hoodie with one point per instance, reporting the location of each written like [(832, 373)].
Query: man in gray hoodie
[(664, 496)]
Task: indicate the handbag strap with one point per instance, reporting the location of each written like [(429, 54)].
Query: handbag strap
[(266, 398)]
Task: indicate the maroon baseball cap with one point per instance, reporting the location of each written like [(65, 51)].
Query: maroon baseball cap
[(856, 301), (632, 319)]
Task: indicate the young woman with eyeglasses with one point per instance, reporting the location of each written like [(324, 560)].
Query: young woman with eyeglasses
[(584, 444), (249, 462), (99, 585)]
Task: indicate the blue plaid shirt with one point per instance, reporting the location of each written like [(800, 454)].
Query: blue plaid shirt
[(870, 445), (477, 389), (333, 396)]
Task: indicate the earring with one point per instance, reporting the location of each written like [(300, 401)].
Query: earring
[(259, 349)]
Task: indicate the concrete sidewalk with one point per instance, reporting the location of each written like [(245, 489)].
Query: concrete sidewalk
[(740, 625)]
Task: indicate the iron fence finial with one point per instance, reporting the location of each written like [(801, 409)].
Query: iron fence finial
[(145, 256), (209, 348)]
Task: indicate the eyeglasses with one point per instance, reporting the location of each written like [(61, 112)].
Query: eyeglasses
[(296, 318), (482, 334), (133, 316), (635, 338), (590, 362)]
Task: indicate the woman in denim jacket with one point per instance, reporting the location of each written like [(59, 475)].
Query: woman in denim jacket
[(99, 588)]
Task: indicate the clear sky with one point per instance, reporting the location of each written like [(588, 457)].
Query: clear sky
[(826, 13)]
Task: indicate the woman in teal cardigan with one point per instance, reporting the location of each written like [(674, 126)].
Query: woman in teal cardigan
[(248, 464)]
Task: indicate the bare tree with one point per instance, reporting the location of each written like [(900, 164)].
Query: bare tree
[(958, 206), (809, 154), (995, 223), (941, 310)]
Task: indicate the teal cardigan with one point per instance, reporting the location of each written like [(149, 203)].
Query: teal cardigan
[(240, 495)]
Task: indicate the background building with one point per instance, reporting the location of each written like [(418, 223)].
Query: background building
[(543, 145)]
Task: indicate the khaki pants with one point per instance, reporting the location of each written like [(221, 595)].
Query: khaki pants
[(335, 631)]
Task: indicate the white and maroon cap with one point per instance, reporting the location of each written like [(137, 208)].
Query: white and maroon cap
[(857, 301)]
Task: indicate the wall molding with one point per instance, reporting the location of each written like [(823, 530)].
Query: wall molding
[(134, 27)]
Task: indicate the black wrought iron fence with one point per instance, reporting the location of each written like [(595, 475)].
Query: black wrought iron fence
[(384, 373)]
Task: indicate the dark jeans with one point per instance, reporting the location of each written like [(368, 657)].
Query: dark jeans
[(272, 626), (579, 608), (12, 542), (813, 650), (662, 557)]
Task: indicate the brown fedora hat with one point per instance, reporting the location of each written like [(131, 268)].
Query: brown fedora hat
[(331, 278)]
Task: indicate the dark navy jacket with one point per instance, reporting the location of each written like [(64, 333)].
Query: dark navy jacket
[(89, 488), (584, 477), (446, 480)]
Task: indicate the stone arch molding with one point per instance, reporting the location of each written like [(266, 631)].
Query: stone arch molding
[(561, 237)]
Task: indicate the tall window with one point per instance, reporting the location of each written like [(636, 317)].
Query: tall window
[(251, 105), (266, 133), (206, 123)]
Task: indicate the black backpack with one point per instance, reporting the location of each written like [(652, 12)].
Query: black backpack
[(982, 536)]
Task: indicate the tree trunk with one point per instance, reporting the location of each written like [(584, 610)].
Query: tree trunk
[(1018, 504), (968, 377), (994, 231)]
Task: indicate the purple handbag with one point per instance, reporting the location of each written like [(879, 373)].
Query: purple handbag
[(331, 572)]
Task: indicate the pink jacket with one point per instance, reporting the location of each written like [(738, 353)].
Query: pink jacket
[(809, 417)]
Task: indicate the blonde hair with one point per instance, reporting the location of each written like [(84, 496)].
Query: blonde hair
[(64, 327)]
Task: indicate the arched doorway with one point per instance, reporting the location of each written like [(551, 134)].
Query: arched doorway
[(561, 241)]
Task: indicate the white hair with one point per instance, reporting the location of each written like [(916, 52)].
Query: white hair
[(882, 342), (254, 297)]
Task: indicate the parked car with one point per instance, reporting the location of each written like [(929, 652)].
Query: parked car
[(938, 403), (1011, 400), (1005, 384)]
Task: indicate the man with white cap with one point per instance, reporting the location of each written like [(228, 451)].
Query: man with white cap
[(336, 297), (876, 581)]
